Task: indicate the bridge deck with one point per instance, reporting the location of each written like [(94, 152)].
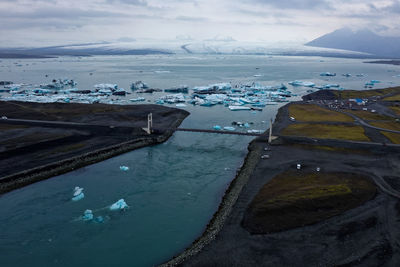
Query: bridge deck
[(216, 131)]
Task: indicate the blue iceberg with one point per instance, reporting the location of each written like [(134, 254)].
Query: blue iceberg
[(119, 205), (124, 168), (217, 127), (87, 215)]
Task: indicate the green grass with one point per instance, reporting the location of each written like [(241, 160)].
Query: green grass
[(393, 98), (367, 115), (393, 137), (326, 131), (296, 198), (391, 125), (314, 113), (396, 110), (332, 149), (365, 93)]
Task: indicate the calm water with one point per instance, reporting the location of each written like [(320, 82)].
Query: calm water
[(173, 188)]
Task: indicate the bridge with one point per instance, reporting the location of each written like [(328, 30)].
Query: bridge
[(149, 129)]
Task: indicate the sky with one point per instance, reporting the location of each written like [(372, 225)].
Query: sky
[(51, 22)]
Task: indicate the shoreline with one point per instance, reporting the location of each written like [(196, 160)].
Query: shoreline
[(47, 171)]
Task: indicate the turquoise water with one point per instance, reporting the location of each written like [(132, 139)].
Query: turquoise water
[(172, 188)]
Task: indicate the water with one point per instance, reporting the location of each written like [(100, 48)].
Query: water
[(172, 188)]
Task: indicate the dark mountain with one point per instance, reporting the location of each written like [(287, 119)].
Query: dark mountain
[(361, 41)]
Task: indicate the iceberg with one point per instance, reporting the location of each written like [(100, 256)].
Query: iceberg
[(180, 105), (87, 215), (99, 219), (255, 131), (300, 83), (124, 168), (139, 99), (229, 128), (327, 74), (106, 86), (119, 205), (138, 85), (180, 89), (78, 193), (236, 108), (217, 127)]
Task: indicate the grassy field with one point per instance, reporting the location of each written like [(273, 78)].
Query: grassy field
[(391, 125), (393, 98), (326, 131), (366, 93), (393, 137), (341, 150), (314, 113), (396, 110), (296, 198), (367, 115)]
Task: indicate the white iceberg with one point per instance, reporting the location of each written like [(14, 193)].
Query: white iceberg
[(119, 205), (236, 108), (229, 128), (78, 193)]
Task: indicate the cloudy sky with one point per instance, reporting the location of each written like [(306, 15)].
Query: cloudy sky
[(45, 22)]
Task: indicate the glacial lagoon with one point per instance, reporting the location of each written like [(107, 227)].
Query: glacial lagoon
[(172, 189)]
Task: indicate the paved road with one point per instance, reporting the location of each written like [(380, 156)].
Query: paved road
[(362, 122)]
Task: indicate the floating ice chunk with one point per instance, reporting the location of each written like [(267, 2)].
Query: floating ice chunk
[(137, 99), (255, 131), (161, 71), (119, 205), (124, 168), (77, 190), (246, 125), (375, 81), (78, 197), (138, 85), (87, 215), (106, 86), (99, 219), (327, 74), (229, 128), (217, 127), (236, 108), (78, 193), (180, 105), (300, 83)]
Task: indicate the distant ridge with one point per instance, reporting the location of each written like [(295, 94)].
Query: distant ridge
[(364, 41)]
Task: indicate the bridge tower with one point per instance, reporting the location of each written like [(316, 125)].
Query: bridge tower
[(149, 128), (270, 132)]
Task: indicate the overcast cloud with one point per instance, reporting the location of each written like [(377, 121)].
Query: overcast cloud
[(43, 22)]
